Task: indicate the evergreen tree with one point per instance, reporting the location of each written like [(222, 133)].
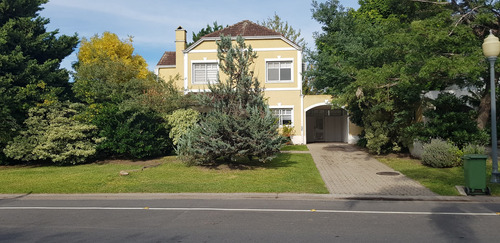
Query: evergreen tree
[(205, 31), (30, 59), (239, 124)]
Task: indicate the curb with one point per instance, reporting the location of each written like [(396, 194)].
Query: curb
[(241, 196)]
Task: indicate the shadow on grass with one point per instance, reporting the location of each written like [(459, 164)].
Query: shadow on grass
[(280, 161)]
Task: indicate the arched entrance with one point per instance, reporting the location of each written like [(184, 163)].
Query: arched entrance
[(326, 125)]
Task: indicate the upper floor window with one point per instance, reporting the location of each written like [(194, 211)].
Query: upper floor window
[(204, 73), (279, 71)]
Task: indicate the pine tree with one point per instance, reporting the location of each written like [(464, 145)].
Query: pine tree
[(30, 58), (239, 124)]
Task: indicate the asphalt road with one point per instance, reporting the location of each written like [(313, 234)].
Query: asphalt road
[(247, 220)]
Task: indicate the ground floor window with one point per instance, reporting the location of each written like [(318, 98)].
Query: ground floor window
[(284, 115)]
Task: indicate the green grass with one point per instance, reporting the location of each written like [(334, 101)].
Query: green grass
[(294, 148), (295, 173), (439, 180)]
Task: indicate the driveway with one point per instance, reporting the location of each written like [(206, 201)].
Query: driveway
[(347, 170)]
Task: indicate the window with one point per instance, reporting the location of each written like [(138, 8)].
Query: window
[(279, 71), (204, 73), (284, 115)]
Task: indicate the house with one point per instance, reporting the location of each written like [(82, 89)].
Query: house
[(279, 69)]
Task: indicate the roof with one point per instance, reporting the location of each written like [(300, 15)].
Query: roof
[(244, 28), (167, 59)]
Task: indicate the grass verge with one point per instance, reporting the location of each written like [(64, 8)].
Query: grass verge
[(294, 148), (439, 180), (294, 173)]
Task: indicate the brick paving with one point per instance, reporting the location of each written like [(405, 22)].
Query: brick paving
[(347, 170)]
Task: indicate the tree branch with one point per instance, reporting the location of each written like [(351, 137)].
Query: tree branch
[(427, 1)]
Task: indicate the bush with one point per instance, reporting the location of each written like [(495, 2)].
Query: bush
[(180, 122), (474, 149), (441, 154), (451, 120), (53, 134), (132, 132)]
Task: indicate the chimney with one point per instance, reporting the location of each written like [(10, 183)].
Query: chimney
[(180, 39)]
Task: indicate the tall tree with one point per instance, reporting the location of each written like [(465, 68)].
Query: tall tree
[(30, 58), (125, 101), (382, 58), (277, 24)]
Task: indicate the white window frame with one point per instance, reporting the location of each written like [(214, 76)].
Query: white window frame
[(206, 62), (281, 108), (280, 60)]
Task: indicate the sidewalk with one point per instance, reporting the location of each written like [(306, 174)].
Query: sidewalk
[(347, 170)]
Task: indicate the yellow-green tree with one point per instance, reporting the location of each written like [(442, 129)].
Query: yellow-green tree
[(109, 47)]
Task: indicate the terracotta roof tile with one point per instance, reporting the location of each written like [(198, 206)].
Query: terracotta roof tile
[(244, 28), (168, 58)]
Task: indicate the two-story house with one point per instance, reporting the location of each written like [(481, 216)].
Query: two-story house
[(279, 69)]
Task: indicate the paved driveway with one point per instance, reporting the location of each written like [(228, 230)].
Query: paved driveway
[(348, 170)]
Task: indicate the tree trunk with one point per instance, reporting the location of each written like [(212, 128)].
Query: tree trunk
[(484, 110)]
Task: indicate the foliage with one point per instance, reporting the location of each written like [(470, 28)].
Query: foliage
[(109, 48), (131, 132), (53, 134), (381, 59), (181, 122), (124, 100), (441, 154), (205, 31), (287, 132), (277, 24), (473, 149), (30, 58), (453, 120), (239, 124)]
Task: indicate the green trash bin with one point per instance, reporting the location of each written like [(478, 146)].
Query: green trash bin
[(475, 174)]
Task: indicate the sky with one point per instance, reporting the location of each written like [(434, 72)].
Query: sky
[(152, 23)]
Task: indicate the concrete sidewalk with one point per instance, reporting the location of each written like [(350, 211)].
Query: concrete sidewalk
[(347, 170)]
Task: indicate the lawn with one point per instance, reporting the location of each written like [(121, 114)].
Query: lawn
[(439, 180), (294, 148), (294, 173)]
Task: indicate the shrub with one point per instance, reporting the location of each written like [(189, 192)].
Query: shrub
[(54, 135), (287, 132), (441, 154), (180, 122), (132, 132), (473, 149)]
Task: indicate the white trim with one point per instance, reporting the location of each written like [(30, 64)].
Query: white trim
[(280, 89), (299, 70), (302, 120), (273, 37), (157, 68), (256, 50), (266, 60), (186, 83), (317, 105)]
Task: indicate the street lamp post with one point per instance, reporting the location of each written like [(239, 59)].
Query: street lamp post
[(491, 49)]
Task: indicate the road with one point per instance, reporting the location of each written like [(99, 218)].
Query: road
[(247, 220)]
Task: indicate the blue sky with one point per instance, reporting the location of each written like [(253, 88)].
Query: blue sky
[(152, 22)]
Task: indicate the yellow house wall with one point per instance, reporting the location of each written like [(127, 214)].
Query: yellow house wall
[(287, 99), (170, 73), (209, 53)]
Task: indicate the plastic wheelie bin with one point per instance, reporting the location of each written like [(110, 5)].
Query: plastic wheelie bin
[(475, 174)]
